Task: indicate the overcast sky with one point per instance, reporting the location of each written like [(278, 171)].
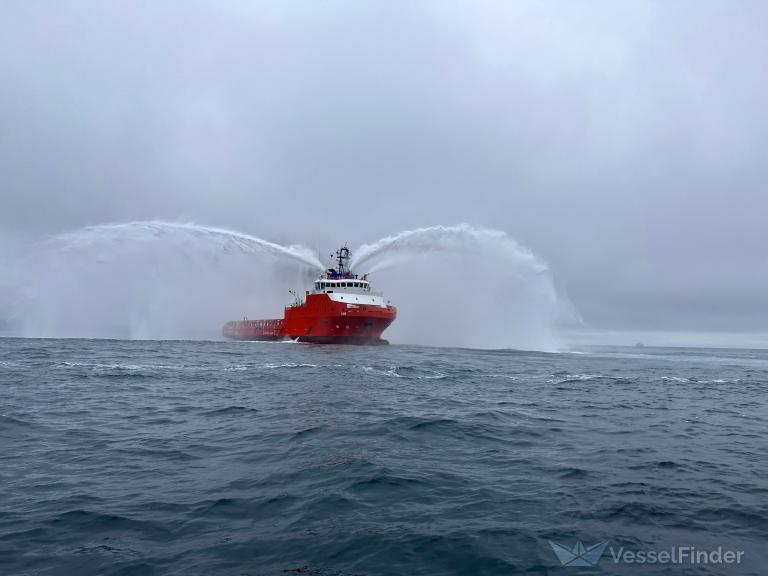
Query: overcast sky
[(626, 143)]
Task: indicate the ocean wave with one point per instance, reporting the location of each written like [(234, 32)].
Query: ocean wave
[(126, 367), (164, 454), (574, 378), (693, 380), (307, 432), (476, 428), (248, 508), (236, 368), (506, 376), (386, 481), (736, 518), (675, 379), (407, 372), (130, 367), (434, 423), (7, 422), (571, 473), (99, 523), (230, 410), (273, 365), (636, 513)]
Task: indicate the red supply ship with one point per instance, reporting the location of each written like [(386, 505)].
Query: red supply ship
[(340, 310)]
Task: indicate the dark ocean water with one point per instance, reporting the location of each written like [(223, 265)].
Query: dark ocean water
[(287, 459)]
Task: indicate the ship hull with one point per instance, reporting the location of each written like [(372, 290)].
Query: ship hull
[(319, 320)]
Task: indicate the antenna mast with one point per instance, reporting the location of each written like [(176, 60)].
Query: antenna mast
[(342, 258)]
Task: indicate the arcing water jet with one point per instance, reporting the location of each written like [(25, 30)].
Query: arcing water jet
[(154, 280), (465, 286), (220, 239)]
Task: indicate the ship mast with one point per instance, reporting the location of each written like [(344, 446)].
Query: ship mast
[(342, 258)]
